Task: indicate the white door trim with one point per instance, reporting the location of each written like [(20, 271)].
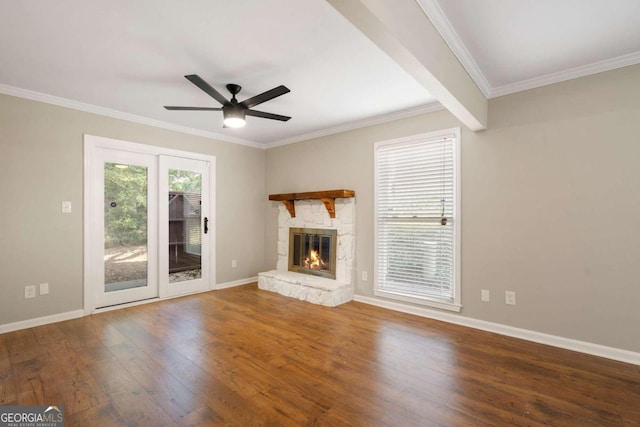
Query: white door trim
[(91, 144)]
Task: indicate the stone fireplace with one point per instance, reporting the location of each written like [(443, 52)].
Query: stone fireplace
[(316, 247)]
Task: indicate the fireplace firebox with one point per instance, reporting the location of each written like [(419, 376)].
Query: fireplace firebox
[(313, 251)]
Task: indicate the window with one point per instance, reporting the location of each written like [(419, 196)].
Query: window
[(418, 219)]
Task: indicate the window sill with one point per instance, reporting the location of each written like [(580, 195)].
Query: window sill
[(430, 302)]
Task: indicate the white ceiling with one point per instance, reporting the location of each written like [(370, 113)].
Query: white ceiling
[(513, 45), (128, 58)]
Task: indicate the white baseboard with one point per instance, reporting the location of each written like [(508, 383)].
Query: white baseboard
[(525, 334), (45, 320), (39, 321), (236, 283)]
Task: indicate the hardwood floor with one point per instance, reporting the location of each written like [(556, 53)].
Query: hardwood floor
[(246, 357)]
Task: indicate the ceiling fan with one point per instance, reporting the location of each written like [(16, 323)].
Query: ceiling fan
[(234, 112)]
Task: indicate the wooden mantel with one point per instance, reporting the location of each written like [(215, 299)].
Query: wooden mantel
[(327, 197)]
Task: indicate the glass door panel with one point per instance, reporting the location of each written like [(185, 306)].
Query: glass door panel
[(185, 230), (125, 226)]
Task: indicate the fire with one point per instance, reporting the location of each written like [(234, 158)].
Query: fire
[(313, 261)]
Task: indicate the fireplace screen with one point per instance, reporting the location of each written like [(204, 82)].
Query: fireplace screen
[(313, 251)]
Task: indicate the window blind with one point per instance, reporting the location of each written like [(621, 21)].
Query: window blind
[(415, 185)]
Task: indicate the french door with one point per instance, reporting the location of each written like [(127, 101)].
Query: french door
[(148, 228), (184, 225)]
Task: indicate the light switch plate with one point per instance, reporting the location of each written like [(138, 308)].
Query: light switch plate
[(66, 206)]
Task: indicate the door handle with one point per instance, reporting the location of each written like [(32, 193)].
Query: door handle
[(206, 225)]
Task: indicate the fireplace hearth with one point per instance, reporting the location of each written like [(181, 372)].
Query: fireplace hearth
[(313, 251)]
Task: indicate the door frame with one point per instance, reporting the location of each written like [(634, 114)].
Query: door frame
[(91, 144)]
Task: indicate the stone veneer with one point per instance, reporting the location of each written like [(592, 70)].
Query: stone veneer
[(318, 290)]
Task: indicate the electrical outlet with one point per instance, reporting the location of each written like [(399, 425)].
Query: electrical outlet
[(234, 263), (30, 291), (484, 295), (365, 276), (66, 207), (44, 288), (510, 297)]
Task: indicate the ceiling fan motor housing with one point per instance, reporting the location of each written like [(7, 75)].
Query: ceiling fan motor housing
[(234, 89), (233, 110)]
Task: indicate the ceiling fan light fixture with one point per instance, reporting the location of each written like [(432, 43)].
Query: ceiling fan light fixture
[(234, 112), (233, 116), (234, 122)]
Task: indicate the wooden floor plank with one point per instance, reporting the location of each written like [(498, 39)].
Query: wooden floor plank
[(246, 357), (8, 391), (104, 415)]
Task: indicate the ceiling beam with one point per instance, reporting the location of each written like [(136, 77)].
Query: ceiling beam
[(402, 30)]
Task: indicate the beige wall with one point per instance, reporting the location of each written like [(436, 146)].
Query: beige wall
[(41, 164), (550, 204)]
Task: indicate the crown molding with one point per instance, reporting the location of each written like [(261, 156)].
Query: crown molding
[(410, 112), (572, 73), (432, 9), (435, 14), (89, 108)]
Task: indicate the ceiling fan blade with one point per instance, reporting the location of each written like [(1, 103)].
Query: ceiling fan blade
[(264, 115), (206, 87), (265, 96), (192, 108)]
